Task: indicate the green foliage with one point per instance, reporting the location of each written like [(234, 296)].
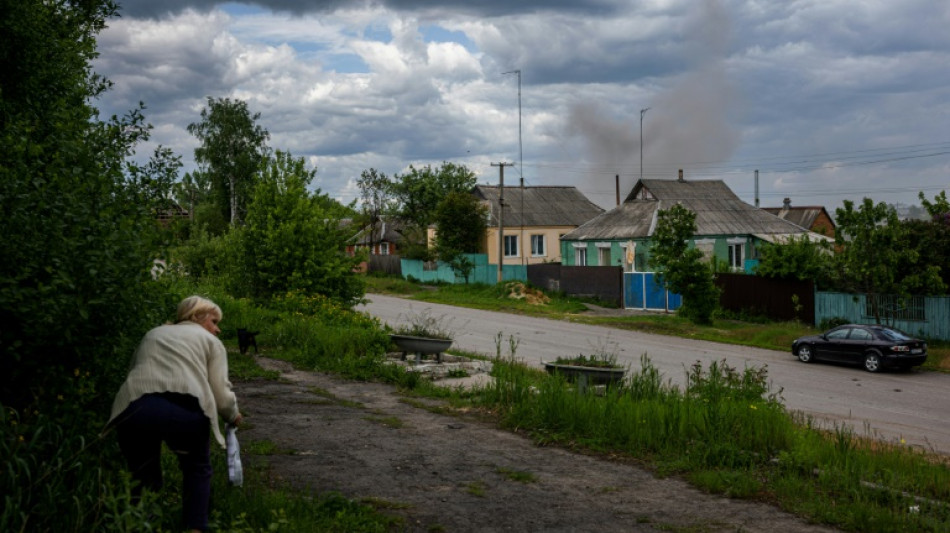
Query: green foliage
[(57, 478), (421, 190), (425, 325), (681, 268), (939, 209), (874, 254), (232, 148), (931, 239), (77, 231), (461, 223), (800, 259), (290, 243)]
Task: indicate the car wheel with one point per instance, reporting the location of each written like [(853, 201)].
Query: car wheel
[(805, 354), (872, 362)]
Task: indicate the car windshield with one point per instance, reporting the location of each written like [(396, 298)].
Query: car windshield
[(894, 335)]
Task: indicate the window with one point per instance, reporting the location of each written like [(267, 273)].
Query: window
[(839, 333), (384, 248), (580, 256), (860, 335), (603, 256), (511, 246), (537, 245), (735, 257)]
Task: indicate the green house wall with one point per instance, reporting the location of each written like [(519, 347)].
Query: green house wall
[(720, 250)]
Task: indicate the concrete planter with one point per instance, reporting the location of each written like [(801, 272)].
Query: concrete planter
[(587, 376), (421, 346)]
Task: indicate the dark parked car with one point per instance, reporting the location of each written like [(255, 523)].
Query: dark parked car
[(875, 347)]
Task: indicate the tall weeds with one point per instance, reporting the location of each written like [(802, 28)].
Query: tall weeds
[(728, 432)]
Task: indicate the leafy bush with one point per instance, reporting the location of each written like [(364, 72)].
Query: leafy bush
[(832, 322), (291, 242)]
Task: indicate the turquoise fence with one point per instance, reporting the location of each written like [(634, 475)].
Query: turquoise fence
[(439, 271), (933, 323)]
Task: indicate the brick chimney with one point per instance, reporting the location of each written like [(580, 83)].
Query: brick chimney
[(681, 175)]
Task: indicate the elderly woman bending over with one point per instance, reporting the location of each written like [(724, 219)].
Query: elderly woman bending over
[(175, 390)]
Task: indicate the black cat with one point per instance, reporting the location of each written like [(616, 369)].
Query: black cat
[(246, 339)]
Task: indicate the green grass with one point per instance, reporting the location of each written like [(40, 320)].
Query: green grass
[(728, 434), (388, 421), (475, 488), (517, 475)]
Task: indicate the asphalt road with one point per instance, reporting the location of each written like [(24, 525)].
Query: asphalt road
[(912, 406)]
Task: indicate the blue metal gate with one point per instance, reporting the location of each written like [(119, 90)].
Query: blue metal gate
[(642, 291)]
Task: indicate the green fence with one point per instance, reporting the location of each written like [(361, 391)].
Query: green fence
[(439, 271), (930, 320)]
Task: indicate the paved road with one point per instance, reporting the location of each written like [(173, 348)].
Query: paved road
[(913, 406)]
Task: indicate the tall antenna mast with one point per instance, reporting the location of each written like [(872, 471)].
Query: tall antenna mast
[(520, 147)]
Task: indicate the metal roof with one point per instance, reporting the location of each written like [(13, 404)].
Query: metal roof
[(539, 206), (718, 212), (803, 216)]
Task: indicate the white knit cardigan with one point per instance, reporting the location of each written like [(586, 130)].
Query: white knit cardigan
[(183, 358)]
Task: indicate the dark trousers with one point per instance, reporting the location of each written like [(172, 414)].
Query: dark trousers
[(176, 420)]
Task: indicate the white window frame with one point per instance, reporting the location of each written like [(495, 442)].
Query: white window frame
[(384, 248), (511, 246), (580, 256), (736, 258), (537, 245), (603, 249)]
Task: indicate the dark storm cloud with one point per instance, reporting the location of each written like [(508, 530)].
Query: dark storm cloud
[(492, 8)]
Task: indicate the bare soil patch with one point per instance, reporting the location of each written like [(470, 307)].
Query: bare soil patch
[(456, 473)]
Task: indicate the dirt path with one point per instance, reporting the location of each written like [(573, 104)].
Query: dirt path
[(446, 473)]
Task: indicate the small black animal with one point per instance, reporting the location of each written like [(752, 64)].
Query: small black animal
[(246, 339)]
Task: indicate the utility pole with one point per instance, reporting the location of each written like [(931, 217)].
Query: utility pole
[(501, 213), (757, 187), (642, 112)]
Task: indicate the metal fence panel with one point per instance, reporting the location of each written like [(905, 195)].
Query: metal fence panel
[(933, 324), (777, 299)]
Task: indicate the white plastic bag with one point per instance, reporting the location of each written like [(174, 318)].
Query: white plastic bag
[(235, 470)]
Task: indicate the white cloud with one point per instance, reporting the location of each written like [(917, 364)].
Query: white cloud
[(733, 85)]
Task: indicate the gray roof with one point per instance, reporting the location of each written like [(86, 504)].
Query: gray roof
[(539, 206), (718, 212), (386, 230), (803, 216)]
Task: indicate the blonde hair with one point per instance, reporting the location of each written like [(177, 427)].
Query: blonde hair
[(196, 308)]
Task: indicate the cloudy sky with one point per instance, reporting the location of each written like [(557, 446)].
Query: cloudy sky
[(827, 99)]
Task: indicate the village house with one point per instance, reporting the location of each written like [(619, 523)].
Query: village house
[(533, 221), (727, 229)]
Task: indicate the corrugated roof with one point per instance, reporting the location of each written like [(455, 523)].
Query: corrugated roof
[(718, 212), (803, 216), (539, 206), (386, 230)]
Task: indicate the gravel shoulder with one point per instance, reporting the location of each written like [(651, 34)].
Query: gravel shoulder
[(455, 473)]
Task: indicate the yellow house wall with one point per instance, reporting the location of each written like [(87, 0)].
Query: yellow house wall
[(552, 244)]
